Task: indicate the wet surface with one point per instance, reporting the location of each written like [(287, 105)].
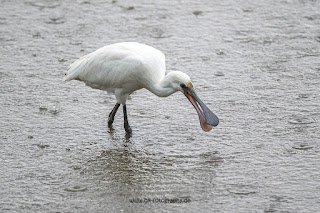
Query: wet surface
[(255, 64)]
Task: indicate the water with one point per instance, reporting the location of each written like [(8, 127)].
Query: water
[(254, 63)]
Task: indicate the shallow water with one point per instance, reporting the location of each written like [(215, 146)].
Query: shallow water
[(255, 64)]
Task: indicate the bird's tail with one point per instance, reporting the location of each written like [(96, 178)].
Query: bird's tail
[(77, 66)]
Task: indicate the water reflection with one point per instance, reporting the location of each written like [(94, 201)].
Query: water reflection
[(136, 172)]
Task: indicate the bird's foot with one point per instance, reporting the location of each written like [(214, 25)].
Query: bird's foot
[(128, 130), (111, 130), (110, 122)]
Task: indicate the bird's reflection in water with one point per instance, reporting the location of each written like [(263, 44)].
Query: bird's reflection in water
[(133, 171), (121, 167)]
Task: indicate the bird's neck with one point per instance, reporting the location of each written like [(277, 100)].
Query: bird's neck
[(163, 88)]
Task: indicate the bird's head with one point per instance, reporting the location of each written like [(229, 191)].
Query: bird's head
[(182, 82)]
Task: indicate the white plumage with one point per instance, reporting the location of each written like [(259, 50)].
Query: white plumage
[(122, 68), (119, 68)]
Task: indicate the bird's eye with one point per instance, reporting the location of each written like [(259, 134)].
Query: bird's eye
[(183, 86)]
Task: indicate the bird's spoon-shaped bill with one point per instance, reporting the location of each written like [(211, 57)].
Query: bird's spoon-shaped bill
[(208, 119)]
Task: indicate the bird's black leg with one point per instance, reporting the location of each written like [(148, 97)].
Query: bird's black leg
[(126, 124), (112, 114)]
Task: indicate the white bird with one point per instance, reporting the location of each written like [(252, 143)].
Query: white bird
[(122, 68)]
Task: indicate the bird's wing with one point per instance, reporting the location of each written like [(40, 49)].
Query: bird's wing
[(106, 68)]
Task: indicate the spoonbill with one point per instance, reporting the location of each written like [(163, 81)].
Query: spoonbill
[(122, 68)]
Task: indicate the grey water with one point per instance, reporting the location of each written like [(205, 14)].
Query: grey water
[(254, 63)]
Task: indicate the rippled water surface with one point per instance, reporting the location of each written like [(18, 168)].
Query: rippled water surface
[(255, 63)]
